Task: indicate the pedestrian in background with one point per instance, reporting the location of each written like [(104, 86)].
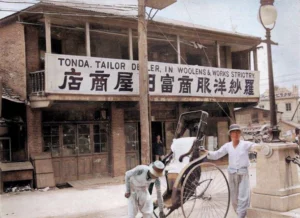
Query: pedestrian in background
[(158, 148), (239, 184)]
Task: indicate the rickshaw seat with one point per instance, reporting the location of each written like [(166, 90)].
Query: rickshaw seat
[(179, 147)]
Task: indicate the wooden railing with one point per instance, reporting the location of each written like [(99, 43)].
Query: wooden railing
[(37, 82)]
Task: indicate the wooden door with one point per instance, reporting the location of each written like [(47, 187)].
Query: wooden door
[(132, 145)]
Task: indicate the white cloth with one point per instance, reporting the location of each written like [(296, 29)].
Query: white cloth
[(238, 157), (179, 147), (140, 199), (238, 173)]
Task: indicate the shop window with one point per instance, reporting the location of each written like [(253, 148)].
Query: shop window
[(51, 139), (288, 107), (69, 140), (101, 138), (84, 142), (254, 117)]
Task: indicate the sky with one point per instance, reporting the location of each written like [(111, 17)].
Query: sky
[(237, 16)]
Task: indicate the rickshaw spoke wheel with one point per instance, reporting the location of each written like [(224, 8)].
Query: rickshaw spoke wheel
[(205, 192)]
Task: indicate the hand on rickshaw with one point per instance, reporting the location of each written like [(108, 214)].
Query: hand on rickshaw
[(127, 194)]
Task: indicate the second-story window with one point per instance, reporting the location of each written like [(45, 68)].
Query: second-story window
[(288, 107)]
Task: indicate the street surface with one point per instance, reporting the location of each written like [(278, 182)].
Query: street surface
[(106, 201)]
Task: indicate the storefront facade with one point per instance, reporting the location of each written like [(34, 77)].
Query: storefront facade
[(82, 82)]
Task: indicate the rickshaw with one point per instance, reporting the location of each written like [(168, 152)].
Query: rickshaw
[(193, 187)]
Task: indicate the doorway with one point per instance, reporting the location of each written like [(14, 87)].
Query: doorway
[(157, 128)]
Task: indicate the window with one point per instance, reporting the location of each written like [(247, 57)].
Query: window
[(101, 138), (261, 106), (265, 114), (5, 149), (288, 107), (51, 139), (254, 117)]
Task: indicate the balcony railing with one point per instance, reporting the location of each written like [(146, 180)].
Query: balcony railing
[(37, 82)]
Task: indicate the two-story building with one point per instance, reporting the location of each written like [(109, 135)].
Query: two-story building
[(286, 100), (77, 67)]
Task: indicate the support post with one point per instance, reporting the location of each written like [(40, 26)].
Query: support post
[(255, 59), (48, 35), (178, 50), (143, 84), (87, 39), (130, 45), (218, 54)]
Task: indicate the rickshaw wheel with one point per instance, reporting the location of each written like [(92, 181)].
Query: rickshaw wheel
[(205, 192)]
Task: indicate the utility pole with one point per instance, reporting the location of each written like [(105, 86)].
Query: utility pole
[(144, 84)]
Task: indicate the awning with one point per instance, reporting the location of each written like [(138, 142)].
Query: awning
[(9, 94)]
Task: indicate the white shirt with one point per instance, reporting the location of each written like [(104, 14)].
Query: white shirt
[(238, 157)]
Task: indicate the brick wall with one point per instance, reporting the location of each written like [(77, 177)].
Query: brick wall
[(12, 57), (34, 131), (118, 142), (32, 48)]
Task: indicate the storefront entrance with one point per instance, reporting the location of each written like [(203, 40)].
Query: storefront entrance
[(157, 128)]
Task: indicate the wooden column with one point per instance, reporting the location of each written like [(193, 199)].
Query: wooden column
[(231, 113), (218, 54), (143, 84), (130, 45), (87, 39), (48, 34), (255, 59), (228, 57), (178, 50)]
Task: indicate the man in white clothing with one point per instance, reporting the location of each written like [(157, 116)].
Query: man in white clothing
[(239, 184), (137, 182)]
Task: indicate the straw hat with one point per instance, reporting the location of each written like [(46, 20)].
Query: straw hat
[(157, 168)]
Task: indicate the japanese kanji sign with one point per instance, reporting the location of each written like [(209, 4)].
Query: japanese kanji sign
[(103, 76)]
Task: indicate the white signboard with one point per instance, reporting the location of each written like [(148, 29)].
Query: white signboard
[(102, 76)]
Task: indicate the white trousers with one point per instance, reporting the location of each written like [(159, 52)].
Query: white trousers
[(240, 193), (140, 200)]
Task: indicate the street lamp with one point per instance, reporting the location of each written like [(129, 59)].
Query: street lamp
[(267, 16)]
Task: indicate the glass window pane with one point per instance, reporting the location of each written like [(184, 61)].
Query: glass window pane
[(55, 130), (47, 141), (69, 139), (55, 141), (84, 129), (96, 138), (103, 147), (47, 130), (69, 129), (103, 138), (96, 129), (97, 148)]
